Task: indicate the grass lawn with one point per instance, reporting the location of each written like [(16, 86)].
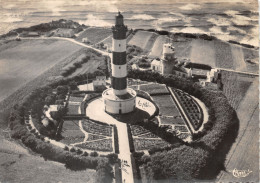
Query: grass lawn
[(27, 59), (141, 39), (72, 136), (18, 165), (166, 105), (71, 125), (73, 109), (154, 88)]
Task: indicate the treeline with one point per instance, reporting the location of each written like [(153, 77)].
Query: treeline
[(32, 105), (208, 150), (91, 54), (75, 66), (132, 50), (46, 27)]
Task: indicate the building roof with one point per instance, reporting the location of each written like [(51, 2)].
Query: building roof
[(180, 69), (197, 66), (199, 72), (156, 62)]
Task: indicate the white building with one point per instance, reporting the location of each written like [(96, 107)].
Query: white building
[(166, 63), (100, 81)]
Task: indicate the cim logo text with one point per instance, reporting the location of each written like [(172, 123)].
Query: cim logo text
[(241, 173)]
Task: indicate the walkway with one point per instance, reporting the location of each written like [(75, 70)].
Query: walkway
[(123, 141), (95, 112)]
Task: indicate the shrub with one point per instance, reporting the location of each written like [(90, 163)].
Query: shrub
[(113, 158), (66, 148), (72, 149), (94, 154), (79, 151), (85, 153)]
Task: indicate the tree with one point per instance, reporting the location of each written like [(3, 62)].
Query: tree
[(104, 172), (113, 158)]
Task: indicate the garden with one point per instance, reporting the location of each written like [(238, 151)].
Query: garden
[(97, 128), (98, 145), (72, 136), (143, 139), (195, 160), (191, 108), (147, 144)]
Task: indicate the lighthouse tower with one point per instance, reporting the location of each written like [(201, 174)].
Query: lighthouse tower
[(119, 99), (168, 58)]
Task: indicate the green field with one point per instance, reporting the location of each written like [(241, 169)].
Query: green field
[(141, 39), (20, 62), (94, 34), (20, 165)]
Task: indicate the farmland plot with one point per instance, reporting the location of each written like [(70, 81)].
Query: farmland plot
[(203, 52), (235, 87), (157, 48), (28, 59), (141, 39), (95, 34)]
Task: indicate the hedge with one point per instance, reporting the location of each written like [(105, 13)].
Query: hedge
[(208, 150)]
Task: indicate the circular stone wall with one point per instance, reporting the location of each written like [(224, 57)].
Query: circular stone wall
[(122, 104), (143, 110)]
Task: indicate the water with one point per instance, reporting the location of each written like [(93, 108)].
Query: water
[(226, 20)]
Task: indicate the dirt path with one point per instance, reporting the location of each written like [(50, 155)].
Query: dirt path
[(244, 152)]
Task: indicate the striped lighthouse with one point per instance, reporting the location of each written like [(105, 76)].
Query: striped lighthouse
[(119, 72), (119, 99)]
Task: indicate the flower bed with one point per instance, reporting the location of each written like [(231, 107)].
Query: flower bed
[(166, 105), (94, 137), (148, 135), (191, 108), (138, 130), (97, 128), (181, 128), (146, 144), (183, 135), (99, 145)]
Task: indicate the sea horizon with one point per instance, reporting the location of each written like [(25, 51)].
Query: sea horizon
[(233, 20)]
